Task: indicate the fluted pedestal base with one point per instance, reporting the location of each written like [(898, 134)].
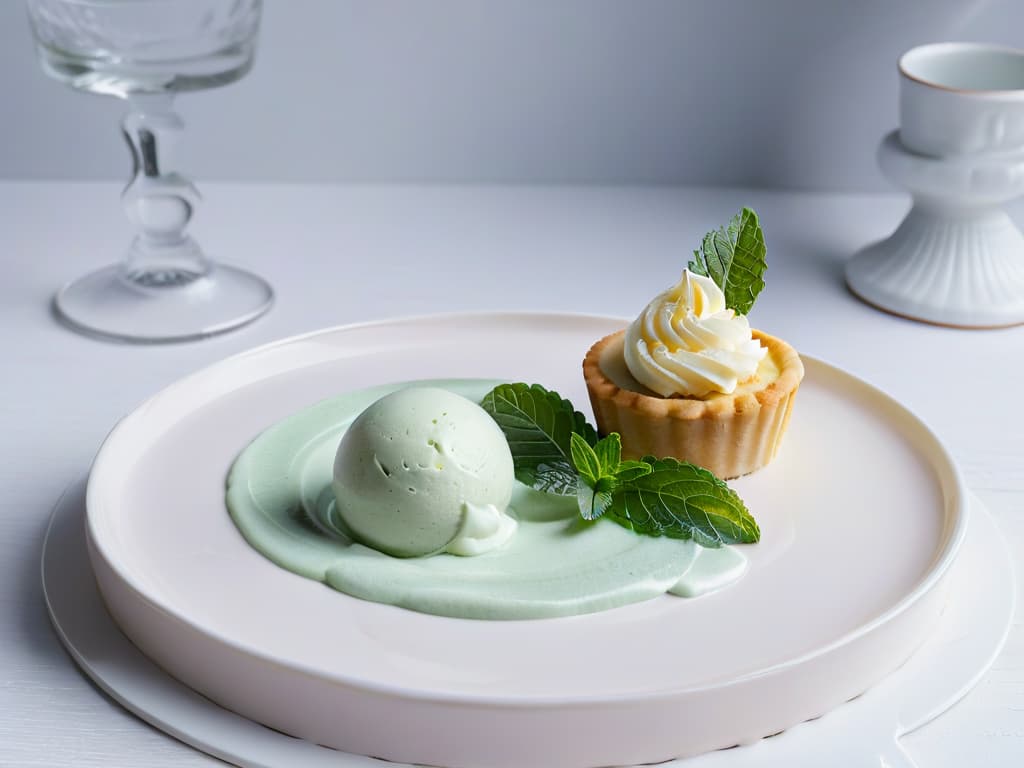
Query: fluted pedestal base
[(956, 259)]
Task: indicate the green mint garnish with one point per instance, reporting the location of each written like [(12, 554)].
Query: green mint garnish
[(589, 465), (559, 478), (539, 425), (733, 257), (593, 502), (597, 467), (683, 501), (659, 497), (555, 450)]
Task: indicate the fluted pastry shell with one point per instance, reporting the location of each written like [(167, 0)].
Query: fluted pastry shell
[(731, 435)]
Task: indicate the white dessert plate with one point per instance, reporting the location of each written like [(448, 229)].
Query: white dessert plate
[(862, 515), (864, 732)]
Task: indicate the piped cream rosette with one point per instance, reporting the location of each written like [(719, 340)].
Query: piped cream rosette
[(690, 379)]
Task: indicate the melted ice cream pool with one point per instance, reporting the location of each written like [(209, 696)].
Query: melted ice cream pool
[(281, 498)]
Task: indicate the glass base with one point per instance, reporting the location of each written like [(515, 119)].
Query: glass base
[(107, 304)]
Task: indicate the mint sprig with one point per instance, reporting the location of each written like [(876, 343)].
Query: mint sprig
[(555, 450), (683, 501), (659, 497), (598, 467), (538, 425), (734, 257)]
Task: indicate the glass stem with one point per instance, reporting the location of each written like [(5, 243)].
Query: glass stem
[(157, 200)]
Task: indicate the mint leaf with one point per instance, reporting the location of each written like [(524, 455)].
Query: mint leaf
[(585, 460), (609, 453), (631, 470), (682, 501), (538, 425), (597, 466), (734, 257), (560, 478), (555, 450), (595, 501)]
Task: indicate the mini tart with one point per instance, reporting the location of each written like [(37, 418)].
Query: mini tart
[(730, 435)]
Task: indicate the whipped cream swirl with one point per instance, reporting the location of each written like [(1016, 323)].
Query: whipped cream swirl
[(686, 342)]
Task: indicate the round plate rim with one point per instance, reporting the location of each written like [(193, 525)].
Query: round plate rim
[(903, 721), (938, 569)]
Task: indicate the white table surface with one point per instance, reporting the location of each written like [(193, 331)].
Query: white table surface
[(341, 254)]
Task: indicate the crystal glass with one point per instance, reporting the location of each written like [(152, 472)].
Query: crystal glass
[(146, 51)]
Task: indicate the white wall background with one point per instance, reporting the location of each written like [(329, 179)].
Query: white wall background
[(763, 92)]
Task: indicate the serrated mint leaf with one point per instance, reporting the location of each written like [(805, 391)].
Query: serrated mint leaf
[(559, 478), (555, 450), (609, 453), (734, 257), (538, 425), (630, 470), (585, 459), (683, 501), (594, 501), (713, 257)]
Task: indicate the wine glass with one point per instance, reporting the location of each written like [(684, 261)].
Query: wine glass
[(146, 51)]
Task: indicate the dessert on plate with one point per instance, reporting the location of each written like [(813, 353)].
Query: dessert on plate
[(415, 495), (490, 500), (436, 506), (689, 378)]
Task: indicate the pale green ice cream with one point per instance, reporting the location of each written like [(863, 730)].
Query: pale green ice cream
[(424, 470), (280, 496)]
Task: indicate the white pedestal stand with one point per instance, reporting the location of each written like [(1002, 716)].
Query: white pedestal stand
[(957, 259)]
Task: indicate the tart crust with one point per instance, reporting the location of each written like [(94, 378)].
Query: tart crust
[(730, 435)]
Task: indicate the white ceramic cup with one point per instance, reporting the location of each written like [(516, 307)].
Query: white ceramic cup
[(962, 99)]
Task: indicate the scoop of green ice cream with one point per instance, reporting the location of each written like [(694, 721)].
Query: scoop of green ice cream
[(422, 470)]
